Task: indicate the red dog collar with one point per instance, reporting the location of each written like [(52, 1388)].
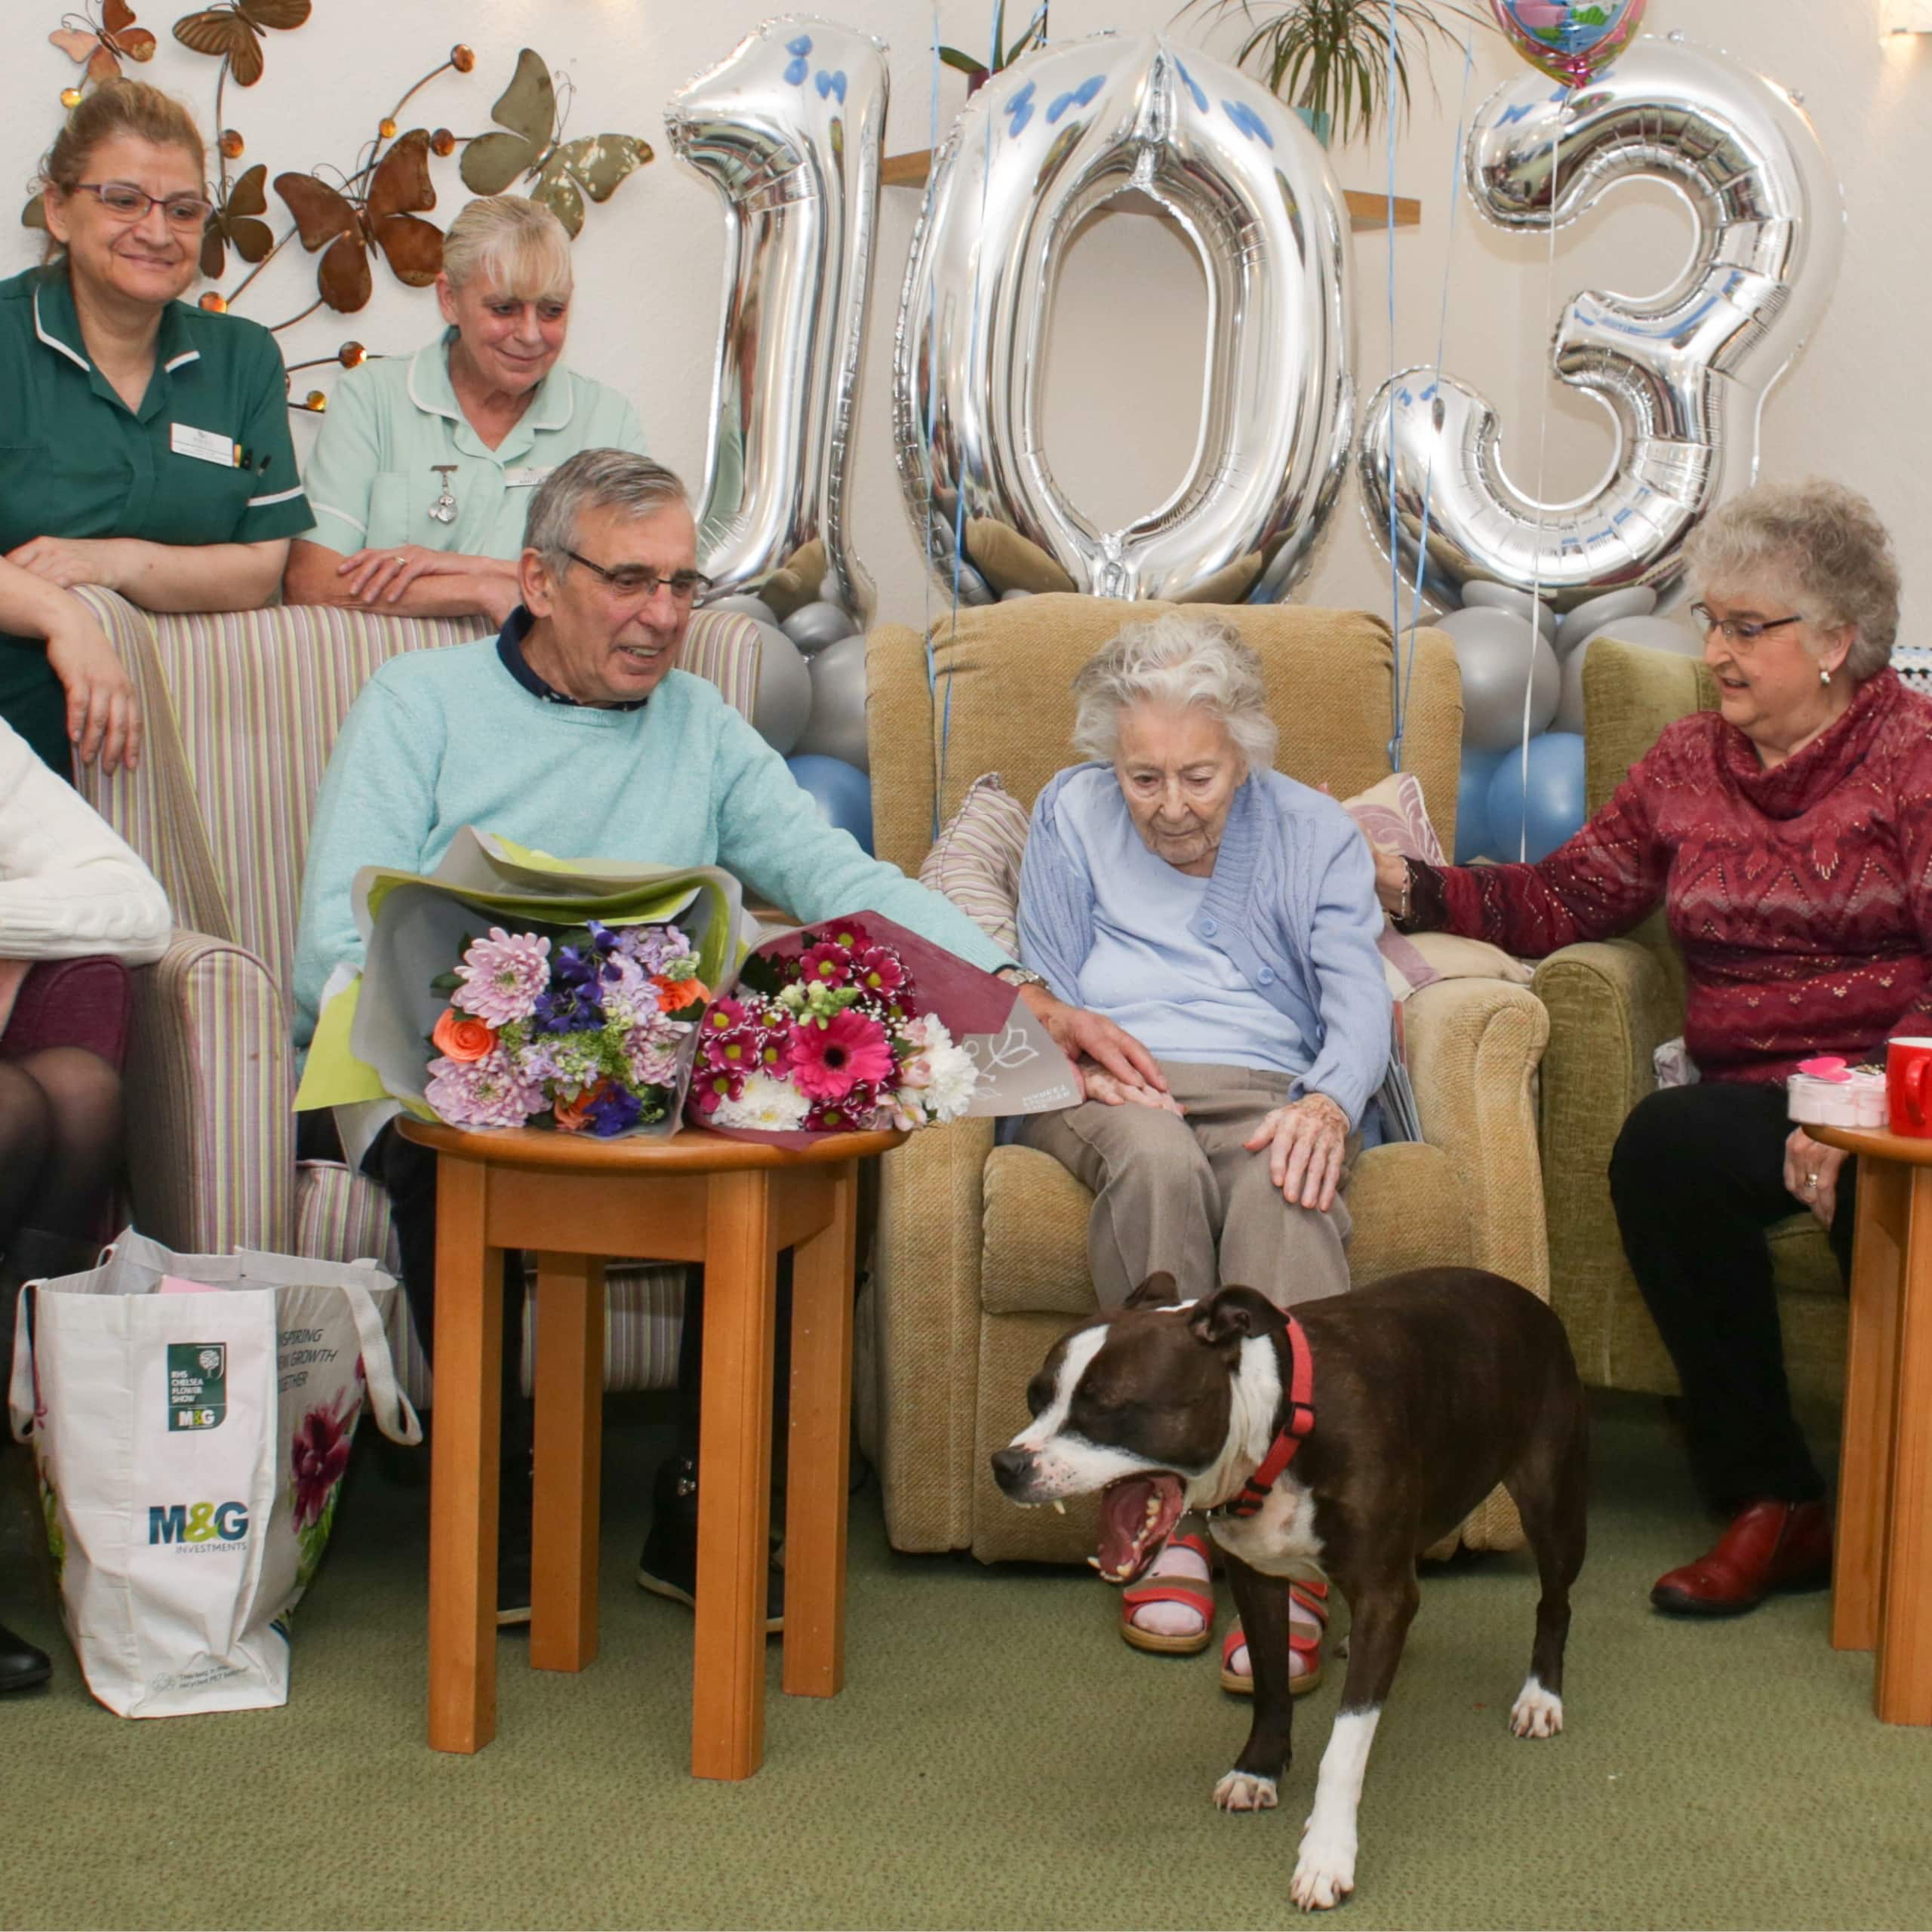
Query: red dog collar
[(1301, 1420)]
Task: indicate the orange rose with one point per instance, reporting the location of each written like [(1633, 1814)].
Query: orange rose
[(674, 996), (459, 1036), (572, 1115)]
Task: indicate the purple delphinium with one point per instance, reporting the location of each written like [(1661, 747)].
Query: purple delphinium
[(616, 1110), (575, 999)]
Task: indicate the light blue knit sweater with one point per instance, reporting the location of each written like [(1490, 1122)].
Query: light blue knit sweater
[(1291, 903), (439, 740)]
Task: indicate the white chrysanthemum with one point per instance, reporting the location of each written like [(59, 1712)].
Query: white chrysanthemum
[(767, 1104), (949, 1092)]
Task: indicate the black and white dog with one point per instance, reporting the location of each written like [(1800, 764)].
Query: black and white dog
[(1345, 1442)]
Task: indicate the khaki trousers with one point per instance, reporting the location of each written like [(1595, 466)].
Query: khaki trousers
[(1186, 1196)]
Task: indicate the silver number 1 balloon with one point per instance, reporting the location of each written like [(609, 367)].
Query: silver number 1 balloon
[(789, 128), (1684, 373)]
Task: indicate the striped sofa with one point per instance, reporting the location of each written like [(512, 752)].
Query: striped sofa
[(242, 709)]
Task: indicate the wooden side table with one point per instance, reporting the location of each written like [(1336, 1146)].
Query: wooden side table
[(1881, 1570), (695, 1197)]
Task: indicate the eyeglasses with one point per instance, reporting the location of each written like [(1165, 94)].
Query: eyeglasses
[(1739, 630), (641, 581), (126, 202)]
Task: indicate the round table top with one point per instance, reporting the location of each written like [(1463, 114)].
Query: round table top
[(1875, 1145), (689, 1151)]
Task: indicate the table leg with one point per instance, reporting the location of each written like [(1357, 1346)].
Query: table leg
[(462, 1473), (1865, 1457), (818, 1476), (570, 1429), (734, 1479), (1905, 1637)]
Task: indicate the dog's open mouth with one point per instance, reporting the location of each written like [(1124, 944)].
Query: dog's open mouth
[(1137, 1514)]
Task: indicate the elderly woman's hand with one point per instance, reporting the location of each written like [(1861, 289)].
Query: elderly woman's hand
[(1305, 1140), (1082, 1034), (1811, 1173), (1101, 1086)]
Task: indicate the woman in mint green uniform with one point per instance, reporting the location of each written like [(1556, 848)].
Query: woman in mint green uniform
[(421, 477), (144, 443)]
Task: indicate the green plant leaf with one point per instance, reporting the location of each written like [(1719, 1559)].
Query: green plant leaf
[(964, 63)]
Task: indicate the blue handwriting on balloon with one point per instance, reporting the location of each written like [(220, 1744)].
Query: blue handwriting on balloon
[(832, 83), (1079, 97), (1248, 121), (797, 68), (1020, 109), (1193, 86)]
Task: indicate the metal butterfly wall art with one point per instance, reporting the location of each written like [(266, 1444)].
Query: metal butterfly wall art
[(563, 172), (376, 209), (102, 48), (234, 31), (234, 223)]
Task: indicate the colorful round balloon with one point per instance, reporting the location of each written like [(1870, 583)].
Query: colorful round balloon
[(1571, 41)]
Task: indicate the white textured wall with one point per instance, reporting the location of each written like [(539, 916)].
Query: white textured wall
[(1122, 404)]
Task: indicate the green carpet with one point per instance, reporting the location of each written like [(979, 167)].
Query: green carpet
[(998, 1758)]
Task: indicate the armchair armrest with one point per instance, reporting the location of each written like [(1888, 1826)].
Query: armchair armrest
[(1473, 1049), (925, 1322), (210, 1087)]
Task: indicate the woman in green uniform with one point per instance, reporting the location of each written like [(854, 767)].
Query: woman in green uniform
[(145, 443), (425, 464)]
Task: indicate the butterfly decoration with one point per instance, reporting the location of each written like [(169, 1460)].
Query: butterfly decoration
[(101, 49), (234, 223), (351, 221), (564, 171), (234, 31)]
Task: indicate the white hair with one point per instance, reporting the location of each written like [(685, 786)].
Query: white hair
[(1179, 659)]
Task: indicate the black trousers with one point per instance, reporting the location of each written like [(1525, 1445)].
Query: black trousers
[(1696, 1176)]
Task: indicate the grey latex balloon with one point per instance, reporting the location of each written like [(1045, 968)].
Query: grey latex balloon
[(754, 607), (837, 726), (784, 699), (1039, 147), (1683, 373), (1488, 596), (1654, 634), (814, 626), (789, 128), (1635, 602), (1013, 596), (1498, 654)]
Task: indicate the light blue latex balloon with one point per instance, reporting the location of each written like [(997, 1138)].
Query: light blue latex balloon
[(842, 793), (1554, 796), (1473, 838)]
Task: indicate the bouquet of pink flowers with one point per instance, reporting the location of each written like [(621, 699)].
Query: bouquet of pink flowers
[(584, 1029), (826, 1032)]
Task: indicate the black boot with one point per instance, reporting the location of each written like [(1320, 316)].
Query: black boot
[(33, 1255), (21, 1663), (669, 1566)]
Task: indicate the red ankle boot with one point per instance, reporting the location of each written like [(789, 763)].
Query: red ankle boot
[(1769, 1546)]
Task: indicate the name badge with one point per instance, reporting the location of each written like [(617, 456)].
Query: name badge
[(204, 445), (526, 479)]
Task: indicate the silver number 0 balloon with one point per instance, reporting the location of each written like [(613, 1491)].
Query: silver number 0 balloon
[(1037, 150), (789, 128), (1683, 373)]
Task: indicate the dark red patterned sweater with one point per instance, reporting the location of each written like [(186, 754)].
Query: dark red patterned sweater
[(1801, 898)]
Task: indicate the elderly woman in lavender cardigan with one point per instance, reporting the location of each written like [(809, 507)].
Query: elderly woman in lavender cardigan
[(1225, 916)]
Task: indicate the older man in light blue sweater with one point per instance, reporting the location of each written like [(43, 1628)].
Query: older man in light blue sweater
[(573, 731)]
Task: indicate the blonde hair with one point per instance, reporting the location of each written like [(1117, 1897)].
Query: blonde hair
[(120, 106), (1176, 659), (517, 245)]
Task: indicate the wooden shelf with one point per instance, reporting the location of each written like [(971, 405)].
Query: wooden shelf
[(1366, 211)]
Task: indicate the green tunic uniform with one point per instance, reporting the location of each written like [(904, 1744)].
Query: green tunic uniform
[(206, 459), (372, 476)]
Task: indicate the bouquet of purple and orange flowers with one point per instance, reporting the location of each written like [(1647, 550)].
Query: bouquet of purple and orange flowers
[(585, 1028)]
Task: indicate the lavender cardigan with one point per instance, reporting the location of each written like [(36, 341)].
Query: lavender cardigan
[(1291, 902)]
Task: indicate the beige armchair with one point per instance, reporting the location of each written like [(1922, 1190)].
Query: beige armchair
[(1611, 1005), (980, 1257)]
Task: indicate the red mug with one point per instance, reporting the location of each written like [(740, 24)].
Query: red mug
[(1908, 1086)]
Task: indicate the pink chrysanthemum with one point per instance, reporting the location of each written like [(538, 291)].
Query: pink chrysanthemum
[(488, 1092), (503, 975), (826, 1062)]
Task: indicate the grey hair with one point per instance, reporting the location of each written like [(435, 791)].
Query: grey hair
[(1178, 659), (516, 245), (1821, 542), (595, 480)]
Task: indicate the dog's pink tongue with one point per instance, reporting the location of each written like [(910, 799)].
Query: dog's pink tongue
[(1136, 1513)]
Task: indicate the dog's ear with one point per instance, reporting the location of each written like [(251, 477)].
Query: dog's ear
[(1157, 1291), (1232, 1316)]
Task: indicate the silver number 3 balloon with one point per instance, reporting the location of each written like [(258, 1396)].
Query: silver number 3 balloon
[(1038, 148), (1683, 373)]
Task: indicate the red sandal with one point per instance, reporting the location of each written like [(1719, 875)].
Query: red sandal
[(1312, 1598), (1196, 1593)]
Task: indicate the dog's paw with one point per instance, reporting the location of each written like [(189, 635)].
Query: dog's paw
[(1536, 1712), (1243, 1791), (1325, 1871)]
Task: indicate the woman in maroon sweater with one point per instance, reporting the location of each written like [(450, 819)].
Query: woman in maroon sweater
[(1788, 835)]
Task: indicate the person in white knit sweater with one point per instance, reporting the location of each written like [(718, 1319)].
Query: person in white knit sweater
[(69, 888)]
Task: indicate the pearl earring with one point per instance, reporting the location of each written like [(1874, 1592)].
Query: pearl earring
[(1824, 677)]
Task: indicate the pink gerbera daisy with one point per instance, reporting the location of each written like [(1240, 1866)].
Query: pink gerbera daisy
[(826, 1062)]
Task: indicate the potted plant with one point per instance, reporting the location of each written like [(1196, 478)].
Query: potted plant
[(978, 71), (1329, 60)]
